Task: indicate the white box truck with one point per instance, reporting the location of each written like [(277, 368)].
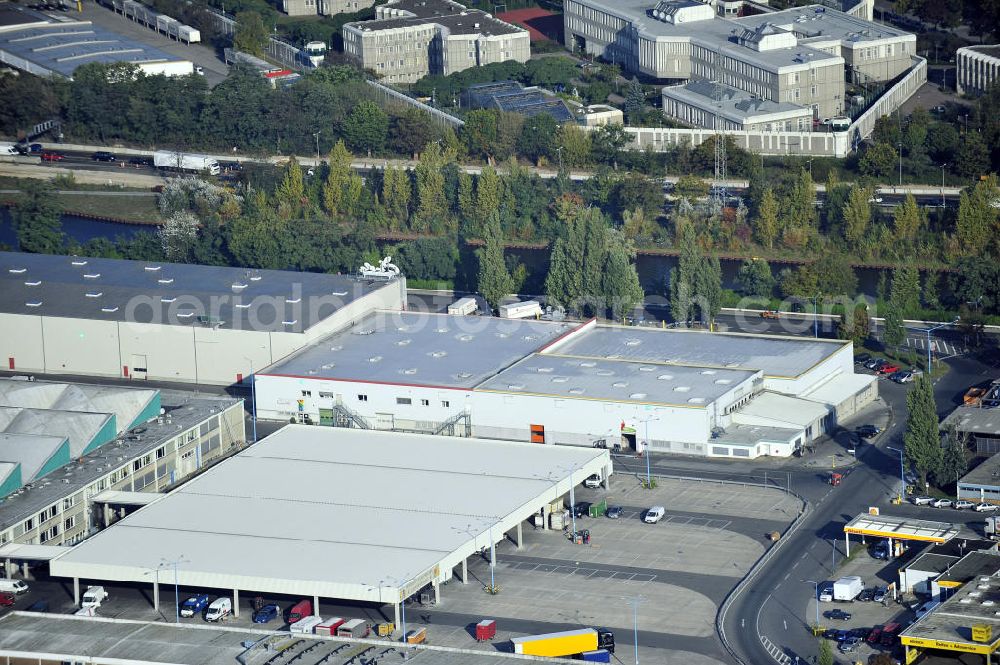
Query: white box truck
[(463, 307), (185, 161), (93, 597), (848, 588), (529, 309), (13, 586), (305, 626)]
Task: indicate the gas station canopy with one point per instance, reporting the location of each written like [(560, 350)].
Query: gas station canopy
[(901, 528)]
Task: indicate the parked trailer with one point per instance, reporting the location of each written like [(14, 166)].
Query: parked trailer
[(329, 627), (305, 626), (521, 310), (599, 656), (185, 161), (848, 588), (463, 307), (565, 643), (356, 628)]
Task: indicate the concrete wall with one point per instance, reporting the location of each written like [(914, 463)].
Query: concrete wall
[(976, 70), (20, 347), (660, 139)]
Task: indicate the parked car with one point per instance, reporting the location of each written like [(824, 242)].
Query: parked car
[(138, 162), (875, 636), (592, 481), (986, 507), (901, 377), (219, 609), (839, 615), (194, 605), (103, 156), (880, 550), (942, 503), (866, 595), (39, 606), (849, 645), (922, 500), (826, 593), (613, 512), (962, 505), (49, 156), (875, 363), (880, 593), (581, 509), (867, 431), (861, 633), (266, 614), (7, 599), (889, 632), (887, 369), (862, 358), (654, 515)]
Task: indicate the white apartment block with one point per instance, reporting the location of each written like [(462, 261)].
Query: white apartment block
[(798, 56), (324, 7), (410, 39), (978, 67)]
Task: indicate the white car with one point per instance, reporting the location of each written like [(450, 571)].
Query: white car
[(922, 500), (593, 481), (941, 503), (962, 505), (654, 515), (826, 594), (986, 507)]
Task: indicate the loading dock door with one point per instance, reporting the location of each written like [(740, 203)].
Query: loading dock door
[(384, 421), (138, 366), (538, 433)]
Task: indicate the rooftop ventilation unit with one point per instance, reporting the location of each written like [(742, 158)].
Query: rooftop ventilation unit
[(37, 282), (94, 294), (152, 268), (165, 280), (79, 263), (91, 275), (35, 303), (17, 271)]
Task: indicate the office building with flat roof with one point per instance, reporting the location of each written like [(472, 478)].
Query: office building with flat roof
[(409, 39)]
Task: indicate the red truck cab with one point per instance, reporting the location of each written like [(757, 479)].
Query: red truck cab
[(300, 610)]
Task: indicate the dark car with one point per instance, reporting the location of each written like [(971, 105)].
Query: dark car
[(842, 635), (266, 614), (839, 615), (49, 156), (581, 509), (35, 148), (830, 633), (862, 358), (867, 431), (39, 606), (103, 156), (139, 162), (613, 512), (860, 633), (876, 363), (866, 595), (875, 636)]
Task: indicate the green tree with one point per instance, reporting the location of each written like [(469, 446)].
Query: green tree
[(37, 218), (755, 279), (765, 224), (857, 214), (973, 157), (905, 292), (577, 261), (538, 137), (608, 142), (801, 212), (931, 297), (855, 326), (342, 189), (489, 189), (432, 202), (367, 127), (978, 224), (479, 134), (635, 99), (251, 33), (908, 219), (825, 653), (696, 282), (396, 190), (574, 145), (893, 333), (691, 187), (922, 441), (954, 461), (621, 288), (878, 160), (290, 193)]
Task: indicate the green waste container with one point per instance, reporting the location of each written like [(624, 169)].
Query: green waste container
[(598, 509)]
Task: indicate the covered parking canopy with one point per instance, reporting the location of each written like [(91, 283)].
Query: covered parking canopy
[(336, 513), (899, 528)]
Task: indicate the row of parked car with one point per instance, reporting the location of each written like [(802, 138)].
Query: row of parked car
[(849, 641), (883, 367), (961, 504)]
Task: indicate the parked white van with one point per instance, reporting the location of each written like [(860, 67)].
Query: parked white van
[(13, 586), (93, 596), (654, 515), (219, 609)]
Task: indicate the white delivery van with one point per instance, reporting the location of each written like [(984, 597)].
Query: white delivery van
[(13, 586), (219, 609), (94, 596), (654, 514), (463, 307)]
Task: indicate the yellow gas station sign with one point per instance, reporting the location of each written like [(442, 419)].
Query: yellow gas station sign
[(912, 654), (982, 632), (948, 645)]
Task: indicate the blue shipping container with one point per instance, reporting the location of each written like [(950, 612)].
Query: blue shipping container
[(599, 656)]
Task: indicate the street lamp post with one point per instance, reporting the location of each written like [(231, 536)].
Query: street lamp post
[(645, 451), (942, 184), (634, 602), (316, 136), (816, 314), (816, 596), (900, 145), (929, 331), (177, 593), (902, 475)]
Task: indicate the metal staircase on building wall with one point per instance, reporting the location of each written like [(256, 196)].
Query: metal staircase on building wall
[(448, 426), (344, 417)]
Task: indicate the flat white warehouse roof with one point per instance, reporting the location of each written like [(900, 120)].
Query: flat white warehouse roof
[(776, 356), (338, 513)]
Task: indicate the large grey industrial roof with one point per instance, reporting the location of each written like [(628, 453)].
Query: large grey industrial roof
[(986, 474), (125, 403), (62, 47), (80, 427), (732, 103), (616, 380), (98, 640), (185, 410), (974, 420), (815, 22), (775, 356), (31, 450), (333, 512), (422, 349), (974, 603), (170, 293)]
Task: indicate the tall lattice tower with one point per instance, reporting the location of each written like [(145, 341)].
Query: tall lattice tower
[(720, 138)]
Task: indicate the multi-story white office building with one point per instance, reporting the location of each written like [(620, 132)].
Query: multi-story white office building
[(978, 68), (797, 56), (324, 7), (410, 39)]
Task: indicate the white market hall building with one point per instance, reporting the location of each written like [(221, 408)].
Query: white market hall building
[(336, 513), (686, 392)]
